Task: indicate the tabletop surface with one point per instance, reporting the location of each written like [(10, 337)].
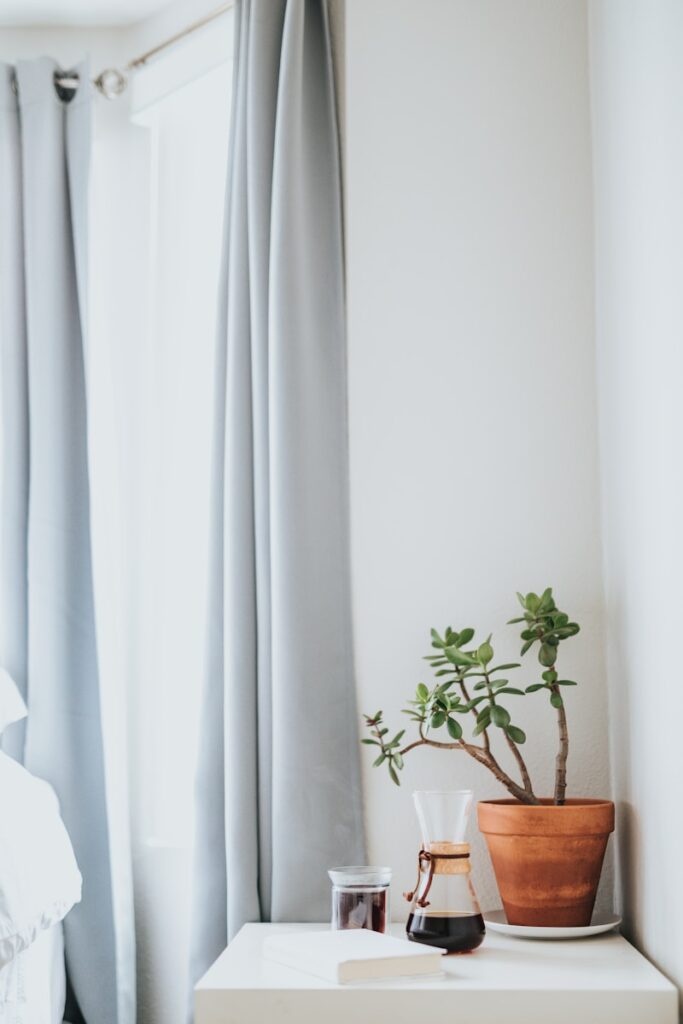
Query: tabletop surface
[(604, 963)]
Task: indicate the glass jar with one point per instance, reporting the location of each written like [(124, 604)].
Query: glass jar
[(445, 910), (360, 897)]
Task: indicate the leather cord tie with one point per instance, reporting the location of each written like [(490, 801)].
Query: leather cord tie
[(429, 862)]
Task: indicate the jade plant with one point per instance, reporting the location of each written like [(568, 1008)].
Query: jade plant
[(468, 686)]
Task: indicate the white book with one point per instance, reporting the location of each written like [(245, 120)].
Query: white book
[(356, 954)]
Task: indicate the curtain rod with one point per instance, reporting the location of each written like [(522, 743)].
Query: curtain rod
[(112, 81)]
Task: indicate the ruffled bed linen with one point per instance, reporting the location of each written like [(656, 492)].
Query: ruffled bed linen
[(39, 877), (33, 984), (39, 884)]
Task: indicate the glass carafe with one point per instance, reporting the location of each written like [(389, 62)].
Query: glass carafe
[(445, 910)]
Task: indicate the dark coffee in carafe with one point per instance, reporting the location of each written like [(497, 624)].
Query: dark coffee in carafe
[(455, 932)]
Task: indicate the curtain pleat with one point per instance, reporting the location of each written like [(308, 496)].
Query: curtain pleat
[(14, 397), (45, 404), (278, 789)]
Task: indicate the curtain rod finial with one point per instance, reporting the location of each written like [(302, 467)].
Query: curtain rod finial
[(111, 83)]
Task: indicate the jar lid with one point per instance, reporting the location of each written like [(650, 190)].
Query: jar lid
[(360, 874)]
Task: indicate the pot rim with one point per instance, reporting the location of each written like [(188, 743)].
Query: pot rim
[(577, 817), (548, 805)]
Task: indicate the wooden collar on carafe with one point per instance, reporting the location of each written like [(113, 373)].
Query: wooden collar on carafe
[(447, 849), (447, 858), (439, 859)]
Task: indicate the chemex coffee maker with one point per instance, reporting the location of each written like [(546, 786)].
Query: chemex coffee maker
[(445, 910)]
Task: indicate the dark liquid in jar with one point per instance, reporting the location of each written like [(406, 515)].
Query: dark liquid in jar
[(458, 933), (362, 909)]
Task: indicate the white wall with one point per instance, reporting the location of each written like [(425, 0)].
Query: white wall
[(637, 86), (472, 383), (68, 46)]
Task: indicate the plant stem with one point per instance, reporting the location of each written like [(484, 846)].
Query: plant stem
[(484, 735), (525, 796), (484, 757), (563, 750), (562, 753), (524, 771)]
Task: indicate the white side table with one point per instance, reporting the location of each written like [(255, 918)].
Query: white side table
[(602, 980)]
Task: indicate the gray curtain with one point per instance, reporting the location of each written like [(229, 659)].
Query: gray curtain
[(278, 792), (47, 625), (14, 398)]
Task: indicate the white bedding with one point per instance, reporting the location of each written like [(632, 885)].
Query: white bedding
[(39, 878), (33, 985), (39, 884)]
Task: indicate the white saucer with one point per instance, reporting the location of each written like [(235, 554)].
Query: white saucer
[(497, 922)]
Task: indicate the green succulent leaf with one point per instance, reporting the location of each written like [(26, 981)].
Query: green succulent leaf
[(556, 700), (511, 689), (380, 760), (474, 702), (422, 692), (457, 657), (516, 734), (437, 720), (500, 716), (454, 729), (547, 655), (484, 653), (464, 637), (534, 687), (393, 776), (566, 682)]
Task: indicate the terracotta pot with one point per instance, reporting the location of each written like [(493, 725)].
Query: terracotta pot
[(547, 859)]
